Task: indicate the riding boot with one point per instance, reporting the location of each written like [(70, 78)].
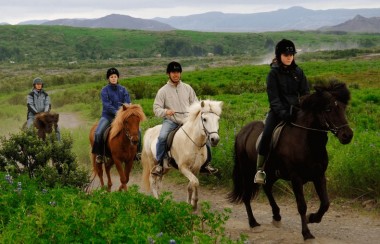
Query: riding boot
[(159, 168), (260, 176), (208, 169)]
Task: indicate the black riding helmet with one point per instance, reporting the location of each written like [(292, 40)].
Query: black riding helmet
[(173, 67), (285, 47), (112, 71)]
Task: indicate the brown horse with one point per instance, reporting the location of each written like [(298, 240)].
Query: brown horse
[(299, 156), (122, 144), (45, 122)]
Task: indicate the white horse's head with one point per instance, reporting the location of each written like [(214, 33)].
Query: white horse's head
[(209, 112)]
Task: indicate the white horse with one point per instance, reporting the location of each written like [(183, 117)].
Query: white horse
[(188, 149)]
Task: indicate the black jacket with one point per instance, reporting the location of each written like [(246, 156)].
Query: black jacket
[(284, 88)]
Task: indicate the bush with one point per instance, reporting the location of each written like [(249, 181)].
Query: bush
[(51, 162), (68, 215)]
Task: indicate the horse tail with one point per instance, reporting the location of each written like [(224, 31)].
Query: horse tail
[(93, 156), (145, 161), (245, 157)]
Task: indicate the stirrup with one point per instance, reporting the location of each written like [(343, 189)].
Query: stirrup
[(157, 170), (99, 159), (260, 177)]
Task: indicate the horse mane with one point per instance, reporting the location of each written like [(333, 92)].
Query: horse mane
[(320, 98), (124, 112), (203, 106)]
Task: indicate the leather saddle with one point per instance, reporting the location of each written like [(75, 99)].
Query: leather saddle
[(275, 136)]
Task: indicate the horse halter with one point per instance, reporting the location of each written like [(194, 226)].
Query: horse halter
[(330, 125), (204, 129), (208, 133), (129, 136)]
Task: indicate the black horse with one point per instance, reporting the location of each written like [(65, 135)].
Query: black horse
[(299, 156)]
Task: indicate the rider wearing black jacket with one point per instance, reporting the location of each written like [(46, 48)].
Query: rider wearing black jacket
[(286, 83)]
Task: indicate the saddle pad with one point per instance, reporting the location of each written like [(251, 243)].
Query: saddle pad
[(275, 135)]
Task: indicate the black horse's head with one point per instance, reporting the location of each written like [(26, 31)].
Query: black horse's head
[(328, 104)]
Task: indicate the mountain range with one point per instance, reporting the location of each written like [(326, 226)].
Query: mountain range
[(294, 18)]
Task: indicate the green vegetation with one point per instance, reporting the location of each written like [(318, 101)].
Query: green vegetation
[(229, 76), (68, 215)]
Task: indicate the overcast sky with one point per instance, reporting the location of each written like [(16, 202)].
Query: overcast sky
[(15, 11)]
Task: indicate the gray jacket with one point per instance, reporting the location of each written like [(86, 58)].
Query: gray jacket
[(37, 102), (177, 98)]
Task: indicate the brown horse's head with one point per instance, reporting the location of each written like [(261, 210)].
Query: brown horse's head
[(127, 121), (45, 122), (329, 104)]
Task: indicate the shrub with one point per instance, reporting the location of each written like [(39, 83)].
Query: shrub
[(50, 161)]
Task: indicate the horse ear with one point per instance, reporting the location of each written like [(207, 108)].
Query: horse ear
[(202, 103), (125, 106)]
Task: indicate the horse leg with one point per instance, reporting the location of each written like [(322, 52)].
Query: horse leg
[(108, 166), (192, 187), (123, 179), (127, 170), (155, 184), (99, 171), (302, 208), (320, 187), (275, 208), (251, 219)]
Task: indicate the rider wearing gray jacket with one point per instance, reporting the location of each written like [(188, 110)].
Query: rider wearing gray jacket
[(38, 101), (171, 103)]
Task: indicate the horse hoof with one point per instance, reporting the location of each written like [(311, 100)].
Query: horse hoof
[(277, 224)]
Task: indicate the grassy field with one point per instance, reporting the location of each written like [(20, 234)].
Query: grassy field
[(242, 89)]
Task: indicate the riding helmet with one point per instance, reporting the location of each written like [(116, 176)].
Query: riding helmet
[(112, 71), (173, 67), (285, 47), (38, 80)]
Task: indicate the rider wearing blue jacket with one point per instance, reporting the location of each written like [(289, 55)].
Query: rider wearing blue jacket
[(113, 96)]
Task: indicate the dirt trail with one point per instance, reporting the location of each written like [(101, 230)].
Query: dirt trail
[(340, 225)]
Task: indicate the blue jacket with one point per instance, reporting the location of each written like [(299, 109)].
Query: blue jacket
[(113, 96)]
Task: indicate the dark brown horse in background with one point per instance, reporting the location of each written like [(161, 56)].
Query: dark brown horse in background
[(122, 144), (300, 155), (45, 122)]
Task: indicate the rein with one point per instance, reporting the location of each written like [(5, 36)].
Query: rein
[(335, 129), (204, 129)]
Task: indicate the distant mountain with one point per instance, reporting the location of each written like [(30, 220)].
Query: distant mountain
[(294, 18), (357, 24), (116, 21), (33, 22)]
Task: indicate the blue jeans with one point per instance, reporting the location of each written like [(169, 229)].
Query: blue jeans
[(167, 126), (98, 147)]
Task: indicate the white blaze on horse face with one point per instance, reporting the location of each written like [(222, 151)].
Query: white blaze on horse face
[(211, 125)]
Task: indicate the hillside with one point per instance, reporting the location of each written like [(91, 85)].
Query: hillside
[(116, 21), (40, 44), (357, 24), (295, 18)]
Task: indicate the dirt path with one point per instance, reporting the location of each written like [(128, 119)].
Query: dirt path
[(70, 120), (340, 225)]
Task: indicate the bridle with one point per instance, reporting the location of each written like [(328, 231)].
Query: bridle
[(208, 133), (330, 125), (129, 136)]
